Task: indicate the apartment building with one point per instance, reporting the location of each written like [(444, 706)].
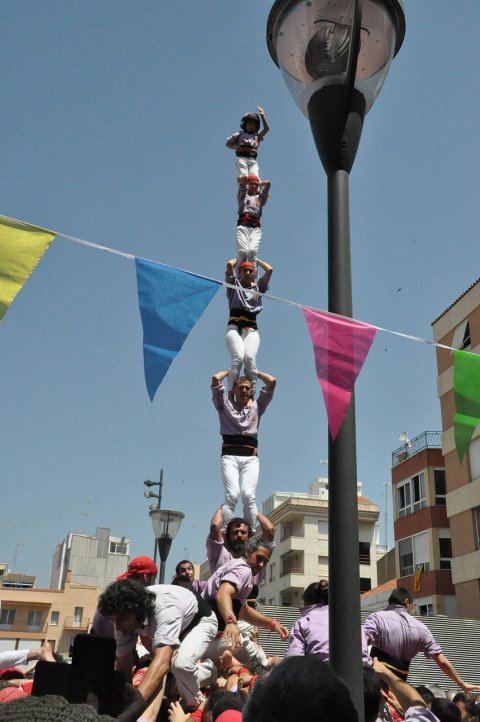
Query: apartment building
[(459, 327), (91, 560), (301, 535), (423, 544)]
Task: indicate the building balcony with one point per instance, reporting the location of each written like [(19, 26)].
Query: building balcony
[(73, 623), (291, 570), (23, 627), (427, 440)]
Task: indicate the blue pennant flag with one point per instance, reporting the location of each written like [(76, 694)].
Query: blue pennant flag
[(171, 302)]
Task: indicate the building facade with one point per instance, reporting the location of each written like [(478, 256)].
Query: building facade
[(301, 536), (423, 544), (459, 327), (29, 617), (91, 560)]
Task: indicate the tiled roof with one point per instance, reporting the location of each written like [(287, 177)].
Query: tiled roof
[(387, 587), (456, 300)]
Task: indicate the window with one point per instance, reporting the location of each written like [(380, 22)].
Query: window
[(54, 617), (411, 495), (322, 529), (476, 520), (286, 531), (7, 618), (364, 552), (118, 547), (34, 620), (445, 552), (365, 584), (77, 616), (474, 454), (425, 610), (413, 551), (272, 572), (286, 601), (440, 487), (461, 336)]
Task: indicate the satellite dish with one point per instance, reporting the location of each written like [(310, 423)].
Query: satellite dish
[(403, 437)]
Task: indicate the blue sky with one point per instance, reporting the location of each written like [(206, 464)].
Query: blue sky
[(113, 123)]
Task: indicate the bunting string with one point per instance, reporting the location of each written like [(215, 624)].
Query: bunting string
[(295, 304)]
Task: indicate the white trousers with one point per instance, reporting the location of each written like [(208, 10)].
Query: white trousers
[(13, 658), (247, 166), (247, 242), (242, 346), (189, 673), (240, 474)]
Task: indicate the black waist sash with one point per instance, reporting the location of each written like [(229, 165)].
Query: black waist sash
[(203, 611), (239, 445), (398, 666), (236, 604)]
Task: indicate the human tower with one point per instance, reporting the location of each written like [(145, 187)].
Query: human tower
[(238, 409)]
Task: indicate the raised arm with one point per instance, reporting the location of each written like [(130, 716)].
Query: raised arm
[(265, 267), (216, 525), (266, 127), (268, 530), (447, 668), (269, 381), (218, 378), (231, 265), (406, 695)]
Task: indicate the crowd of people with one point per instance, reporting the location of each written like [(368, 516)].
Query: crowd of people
[(189, 650)]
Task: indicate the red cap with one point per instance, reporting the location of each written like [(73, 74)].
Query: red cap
[(253, 177), (139, 565), (11, 673), (230, 715), (247, 264)]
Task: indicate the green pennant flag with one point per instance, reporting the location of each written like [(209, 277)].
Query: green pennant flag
[(21, 248), (466, 386)]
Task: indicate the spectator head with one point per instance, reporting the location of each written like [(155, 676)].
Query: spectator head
[(316, 593), (219, 701), (257, 554), (466, 705), (402, 596), (127, 603), (426, 694), (300, 688), (142, 569), (446, 711), (185, 569), (237, 534)]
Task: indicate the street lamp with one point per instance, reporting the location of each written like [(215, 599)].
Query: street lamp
[(334, 56), (158, 505), (166, 524)]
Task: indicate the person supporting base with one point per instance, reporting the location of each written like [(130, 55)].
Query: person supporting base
[(239, 421)]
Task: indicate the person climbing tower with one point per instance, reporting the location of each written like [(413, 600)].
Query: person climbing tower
[(245, 142)]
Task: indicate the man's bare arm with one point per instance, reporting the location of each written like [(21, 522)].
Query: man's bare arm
[(269, 381), (216, 525)]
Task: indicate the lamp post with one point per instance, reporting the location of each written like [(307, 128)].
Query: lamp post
[(158, 505), (334, 56), (166, 524)]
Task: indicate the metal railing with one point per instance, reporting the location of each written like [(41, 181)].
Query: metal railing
[(23, 627), (291, 570), (73, 623), (288, 534), (427, 440)]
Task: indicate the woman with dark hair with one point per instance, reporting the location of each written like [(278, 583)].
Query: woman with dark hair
[(309, 635)]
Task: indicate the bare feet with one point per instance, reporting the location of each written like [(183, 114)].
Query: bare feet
[(45, 653)]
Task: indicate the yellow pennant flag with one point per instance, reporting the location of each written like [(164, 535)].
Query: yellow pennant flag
[(21, 248), (417, 578)]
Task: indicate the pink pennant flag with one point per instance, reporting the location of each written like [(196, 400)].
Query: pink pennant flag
[(340, 346)]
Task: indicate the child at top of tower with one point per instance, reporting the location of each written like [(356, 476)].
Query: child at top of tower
[(245, 142), (252, 196)]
